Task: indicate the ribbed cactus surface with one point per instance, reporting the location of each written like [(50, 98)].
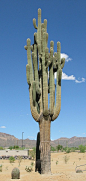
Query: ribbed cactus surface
[(15, 173), (42, 65)]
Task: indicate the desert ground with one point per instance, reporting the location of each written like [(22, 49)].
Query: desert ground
[(60, 169)]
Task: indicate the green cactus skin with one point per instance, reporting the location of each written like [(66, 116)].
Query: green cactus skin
[(40, 61), (15, 174)]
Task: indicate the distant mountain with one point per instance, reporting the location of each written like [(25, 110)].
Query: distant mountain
[(7, 140)]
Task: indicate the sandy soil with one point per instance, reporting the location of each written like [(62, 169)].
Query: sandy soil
[(60, 172)]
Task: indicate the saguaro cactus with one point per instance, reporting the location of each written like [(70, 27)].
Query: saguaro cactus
[(40, 70)]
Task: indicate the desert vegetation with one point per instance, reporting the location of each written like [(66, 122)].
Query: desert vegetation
[(66, 164), (58, 148)]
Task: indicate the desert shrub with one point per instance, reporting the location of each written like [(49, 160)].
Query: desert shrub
[(28, 169), (64, 148), (32, 153), (21, 148), (19, 159), (32, 163), (15, 147), (0, 168), (56, 162), (79, 171), (59, 147), (68, 150), (53, 148), (66, 158), (72, 149), (11, 159), (10, 148), (1, 148), (76, 148), (82, 148), (6, 167)]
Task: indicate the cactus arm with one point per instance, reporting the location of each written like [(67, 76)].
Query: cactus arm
[(29, 66), (35, 64), (51, 80), (31, 82), (45, 82), (58, 100), (35, 38), (58, 88), (45, 28), (34, 112), (39, 36), (34, 23), (62, 62), (28, 74), (39, 27)]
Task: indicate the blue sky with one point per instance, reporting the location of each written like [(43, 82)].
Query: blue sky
[(66, 22)]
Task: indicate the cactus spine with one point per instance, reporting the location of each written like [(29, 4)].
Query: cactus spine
[(37, 69)]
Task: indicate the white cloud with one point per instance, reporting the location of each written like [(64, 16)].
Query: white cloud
[(66, 77), (67, 58), (2, 127), (83, 80), (70, 77), (83, 133)]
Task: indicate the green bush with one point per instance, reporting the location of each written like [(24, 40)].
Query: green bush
[(1, 148), (66, 159), (56, 162), (16, 147), (79, 171), (72, 149), (19, 159), (10, 148), (82, 148), (32, 153), (0, 168), (64, 148), (12, 159), (68, 150), (28, 169), (32, 163), (53, 148), (59, 147)]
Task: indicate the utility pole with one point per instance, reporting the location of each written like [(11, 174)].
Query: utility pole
[(22, 140)]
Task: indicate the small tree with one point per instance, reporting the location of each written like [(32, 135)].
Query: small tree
[(82, 148), (10, 148), (59, 147), (1, 148), (53, 148), (68, 150), (12, 159)]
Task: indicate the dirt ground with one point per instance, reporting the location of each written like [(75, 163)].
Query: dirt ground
[(60, 171)]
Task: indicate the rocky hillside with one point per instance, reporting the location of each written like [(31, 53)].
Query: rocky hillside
[(7, 140)]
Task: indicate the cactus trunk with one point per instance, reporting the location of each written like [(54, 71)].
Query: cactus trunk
[(45, 154)]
